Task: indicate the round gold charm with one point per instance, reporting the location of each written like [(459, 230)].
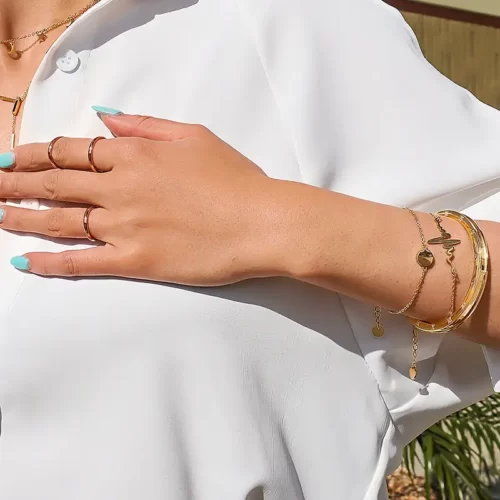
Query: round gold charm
[(425, 258), (413, 373), (378, 331)]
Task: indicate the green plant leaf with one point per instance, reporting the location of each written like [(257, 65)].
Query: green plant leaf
[(459, 454)]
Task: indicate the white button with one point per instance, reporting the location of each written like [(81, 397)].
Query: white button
[(68, 62), (29, 203)]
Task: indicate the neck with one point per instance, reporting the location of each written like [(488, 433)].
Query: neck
[(24, 16)]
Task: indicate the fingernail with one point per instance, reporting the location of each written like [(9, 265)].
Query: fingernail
[(2, 213), (21, 263), (7, 160), (103, 110)]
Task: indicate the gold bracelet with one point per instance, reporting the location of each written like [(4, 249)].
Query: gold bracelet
[(425, 260), (449, 245), (478, 281)]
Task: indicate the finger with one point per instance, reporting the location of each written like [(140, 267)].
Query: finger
[(147, 127), (68, 153), (59, 185), (57, 222), (98, 261)]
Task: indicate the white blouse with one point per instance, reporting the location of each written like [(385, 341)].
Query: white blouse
[(267, 389)]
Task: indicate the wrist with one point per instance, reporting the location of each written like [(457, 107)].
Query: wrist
[(274, 246), (295, 228)]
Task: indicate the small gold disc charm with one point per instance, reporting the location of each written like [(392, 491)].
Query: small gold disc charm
[(413, 373), (378, 331), (425, 258)]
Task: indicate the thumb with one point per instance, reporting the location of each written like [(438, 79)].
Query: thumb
[(148, 127)]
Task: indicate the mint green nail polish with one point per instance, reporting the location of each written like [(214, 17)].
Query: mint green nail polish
[(21, 263), (2, 213), (103, 110), (7, 160)]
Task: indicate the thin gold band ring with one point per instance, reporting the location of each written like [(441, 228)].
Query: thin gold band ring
[(52, 143), (92, 144), (86, 226)]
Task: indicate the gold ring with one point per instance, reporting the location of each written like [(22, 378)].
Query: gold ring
[(92, 144), (49, 151), (86, 227)]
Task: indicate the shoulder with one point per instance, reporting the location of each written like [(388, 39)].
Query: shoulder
[(336, 17)]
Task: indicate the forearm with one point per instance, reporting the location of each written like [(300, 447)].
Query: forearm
[(367, 251)]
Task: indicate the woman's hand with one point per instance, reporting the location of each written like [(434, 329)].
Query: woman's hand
[(174, 203)]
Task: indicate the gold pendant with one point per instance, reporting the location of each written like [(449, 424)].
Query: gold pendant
[(378, 331), (42, 37), (413, 372), (69, 23), (425, 258), (11, 50)]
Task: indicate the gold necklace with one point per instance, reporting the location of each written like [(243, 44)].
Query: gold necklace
[(42, 36), (10, 43), (17, 102)]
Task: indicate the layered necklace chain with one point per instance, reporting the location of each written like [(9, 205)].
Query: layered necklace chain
[(17, 104), (41, 34)]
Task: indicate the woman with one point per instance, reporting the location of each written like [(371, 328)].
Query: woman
[(270, 388)]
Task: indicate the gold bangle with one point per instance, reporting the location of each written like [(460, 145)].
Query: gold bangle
[(478, 282)]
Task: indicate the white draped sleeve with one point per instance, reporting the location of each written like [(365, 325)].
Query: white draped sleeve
[(369, 116)]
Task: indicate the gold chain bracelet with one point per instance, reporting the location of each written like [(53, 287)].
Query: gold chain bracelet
[(449, 245), (478, 281), (425, 260)]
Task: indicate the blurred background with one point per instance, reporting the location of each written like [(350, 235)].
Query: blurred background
[(464, 44), (459, 457)]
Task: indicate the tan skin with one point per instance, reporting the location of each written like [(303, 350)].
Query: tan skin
[(18, 18), (177, 204)]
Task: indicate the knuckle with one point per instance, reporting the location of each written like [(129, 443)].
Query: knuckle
[(199, 131), (70, 265), (134, 149), (25, 155), (55, 222), (44, 267), (60, 151), (51, 183), (146, 123), (9, 186)]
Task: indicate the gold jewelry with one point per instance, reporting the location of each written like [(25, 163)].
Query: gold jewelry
[(52, 143), (86, 227), (449, 245), (10, 45), (478, 281), (91, 154), (413, 372), (425, 260), (378, 329), (17, 102), (41, 34)]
